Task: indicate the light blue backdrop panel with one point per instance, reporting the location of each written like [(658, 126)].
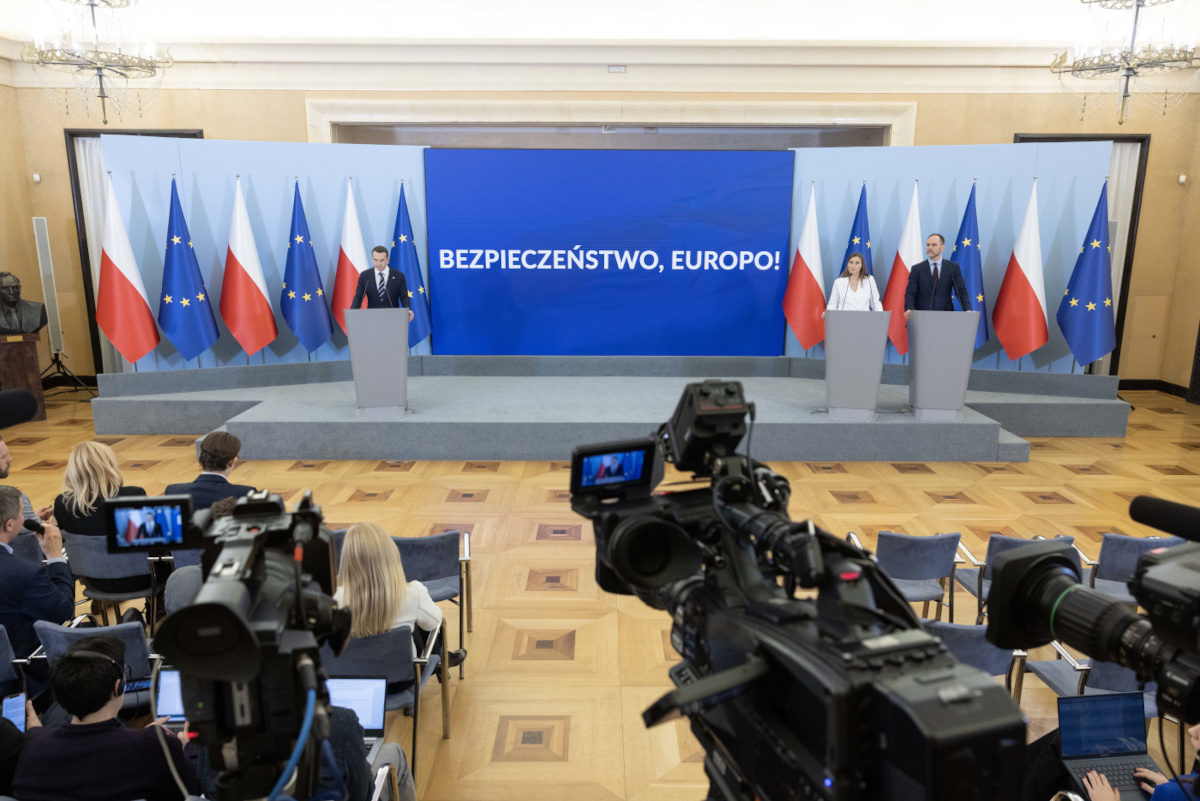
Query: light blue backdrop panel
[(1069, 179), (205, 170)]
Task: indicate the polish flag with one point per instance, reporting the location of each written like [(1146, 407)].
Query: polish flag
[(908, 253), (122, 308), (804, 300), (244, 304), (1019, 316), (352, 260)]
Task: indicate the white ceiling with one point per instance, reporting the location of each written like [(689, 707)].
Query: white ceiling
[(932, 23)]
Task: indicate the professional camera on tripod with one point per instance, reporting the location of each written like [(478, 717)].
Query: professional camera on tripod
[(247, 648), (1036, 597), (844, 697)]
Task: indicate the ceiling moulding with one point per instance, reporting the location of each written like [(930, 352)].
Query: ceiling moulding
[(693, 78), (323, 114)]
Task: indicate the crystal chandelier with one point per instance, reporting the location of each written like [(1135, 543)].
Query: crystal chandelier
[(1126, 64), (89, 47)]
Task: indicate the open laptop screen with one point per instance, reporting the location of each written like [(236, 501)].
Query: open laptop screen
[(1102, 725), (170, 698), (365, 697)]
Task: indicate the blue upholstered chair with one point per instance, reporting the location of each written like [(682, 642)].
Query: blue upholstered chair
[(442, 562), (1119, 556), (187, 558), (393, 656), (57, 639), (1067, 675), (182, 587), (89, 559), (919, 565), (969, 645), (10, 679), (977, 580), (27, 547)]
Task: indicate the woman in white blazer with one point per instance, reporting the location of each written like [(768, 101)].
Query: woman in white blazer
[(854, 290)]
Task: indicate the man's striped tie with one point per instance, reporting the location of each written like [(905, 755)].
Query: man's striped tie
[(382, 291)]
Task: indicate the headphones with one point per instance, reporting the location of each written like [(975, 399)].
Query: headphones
[(97, 655)]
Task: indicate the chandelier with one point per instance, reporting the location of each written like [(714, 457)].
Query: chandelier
[(89, 47), (1126, 64)]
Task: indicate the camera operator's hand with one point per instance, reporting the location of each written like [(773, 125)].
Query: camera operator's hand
[(51, 541), (1098, 788), (1148, 779), (32, 721)]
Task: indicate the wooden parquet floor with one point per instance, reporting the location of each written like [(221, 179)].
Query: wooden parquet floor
[(559, 671)]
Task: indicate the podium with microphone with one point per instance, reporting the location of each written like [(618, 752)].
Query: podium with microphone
[(854, 344), (379, 361)]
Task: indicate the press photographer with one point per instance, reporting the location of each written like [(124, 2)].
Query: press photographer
[(844, 697)]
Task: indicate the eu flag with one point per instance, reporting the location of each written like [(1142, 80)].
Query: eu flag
[(860, 235), (184, 310), (965, 251), (303, 298), (1085, 313), (404, 258)]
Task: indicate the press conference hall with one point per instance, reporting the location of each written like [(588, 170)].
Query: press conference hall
[(810, 394)]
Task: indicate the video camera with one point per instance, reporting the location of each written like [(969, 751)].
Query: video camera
[(841, 697), (1036, 597), (247, 647)]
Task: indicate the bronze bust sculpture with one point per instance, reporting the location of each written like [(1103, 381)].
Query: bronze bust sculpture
[(18, 316)]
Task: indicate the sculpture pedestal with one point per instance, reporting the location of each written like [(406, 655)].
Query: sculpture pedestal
[(19, 367)]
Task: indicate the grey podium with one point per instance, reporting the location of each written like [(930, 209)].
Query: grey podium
[(854, 343), (941, 347), (379, 361)]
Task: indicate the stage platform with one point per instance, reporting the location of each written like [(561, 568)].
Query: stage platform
[(463, 409)]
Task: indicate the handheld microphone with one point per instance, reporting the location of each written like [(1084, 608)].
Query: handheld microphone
[(16, 406), (1177, 519), (34, 525)]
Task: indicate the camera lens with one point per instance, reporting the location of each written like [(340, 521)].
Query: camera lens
[(650, 552)]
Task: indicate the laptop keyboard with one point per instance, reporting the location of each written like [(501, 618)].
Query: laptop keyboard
[(1119, 774)]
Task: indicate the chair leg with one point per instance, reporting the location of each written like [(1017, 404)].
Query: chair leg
[(951, 588), (1182, 749), (1018, 684), (416, 720), (462, 601), (925, 610), (469, 600), (445, 692)]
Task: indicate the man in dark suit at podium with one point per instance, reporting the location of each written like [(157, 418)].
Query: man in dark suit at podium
[(383, 287), (930, 282)]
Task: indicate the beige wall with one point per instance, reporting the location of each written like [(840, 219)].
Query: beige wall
[(1163, 314)]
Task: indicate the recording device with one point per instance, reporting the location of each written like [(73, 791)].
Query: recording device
[(1036, 597), (16, 406), (247, 648), (14, 710), (839, 697)]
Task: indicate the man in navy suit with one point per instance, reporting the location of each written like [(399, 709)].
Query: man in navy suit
[(29, 591), (218, 457), (383, 287), (930, 282)]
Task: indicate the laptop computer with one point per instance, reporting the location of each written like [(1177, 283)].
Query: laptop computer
[(366, 697), (1107, 734), (170, 700)]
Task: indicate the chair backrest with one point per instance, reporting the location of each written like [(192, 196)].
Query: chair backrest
[(89, 558), (906, 557), (970, 646), (182, 586), (8, 672), (188, 558), (389, 654), (27, 547), (996, 545), (1119, 554), (428, 558), (57, 639), (1113, 677)]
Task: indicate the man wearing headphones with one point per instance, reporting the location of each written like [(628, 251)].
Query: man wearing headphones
[(95, 756)]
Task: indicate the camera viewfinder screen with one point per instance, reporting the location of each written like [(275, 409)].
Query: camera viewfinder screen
[(612, 468), (141, 526)]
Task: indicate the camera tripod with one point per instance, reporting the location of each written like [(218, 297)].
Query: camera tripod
[(58, 369)]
